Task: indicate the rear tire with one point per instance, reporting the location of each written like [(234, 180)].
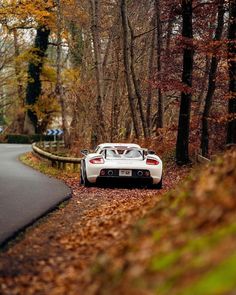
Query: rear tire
[(86, 182), (81, 174), (158, 185), (81, 178)]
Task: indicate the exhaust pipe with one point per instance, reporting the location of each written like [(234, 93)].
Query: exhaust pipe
[(140, 173), (110, 172)]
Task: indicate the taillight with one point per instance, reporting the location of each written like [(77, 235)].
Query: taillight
[(98, 160), (152, 162)]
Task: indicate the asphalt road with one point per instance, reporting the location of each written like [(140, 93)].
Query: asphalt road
[(25, 194)]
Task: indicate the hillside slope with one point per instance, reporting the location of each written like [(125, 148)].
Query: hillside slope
[(107, 241), (187, 245)]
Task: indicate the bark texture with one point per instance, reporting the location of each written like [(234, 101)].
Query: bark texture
[(150, 77), (59, 88), (136, 84), (160, 108), (182, 145), (231, 129), (99, 130), (211, 83), (33, 90), (128, 77)]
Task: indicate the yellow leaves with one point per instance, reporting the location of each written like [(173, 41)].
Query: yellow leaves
[(27, 56), (70, 76), (49, 73), (27, 13), (45, 107)]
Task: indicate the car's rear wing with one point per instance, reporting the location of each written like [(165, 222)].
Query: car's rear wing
[(144, 151)]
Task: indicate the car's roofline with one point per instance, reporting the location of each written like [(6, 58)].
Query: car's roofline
[(109, 144)]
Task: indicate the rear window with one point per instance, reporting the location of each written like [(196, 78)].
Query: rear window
[(133, 154)]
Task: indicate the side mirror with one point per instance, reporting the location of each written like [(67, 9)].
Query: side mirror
[(150, 152), (84, 152)]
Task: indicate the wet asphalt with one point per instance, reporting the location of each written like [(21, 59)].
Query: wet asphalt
[(25, 194)]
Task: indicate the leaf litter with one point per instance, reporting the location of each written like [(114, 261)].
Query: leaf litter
[(134, 241)]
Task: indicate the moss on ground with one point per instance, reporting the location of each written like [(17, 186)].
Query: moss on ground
[(187, 244)]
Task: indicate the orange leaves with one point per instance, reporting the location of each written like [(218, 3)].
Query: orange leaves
[(64, 247), (27, 13)]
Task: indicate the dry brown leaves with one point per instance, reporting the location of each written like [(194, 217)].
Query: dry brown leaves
[(57, 256), (187, 233)]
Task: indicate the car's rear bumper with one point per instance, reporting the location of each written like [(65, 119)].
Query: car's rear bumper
[(142, 180), (154, 174), (110, 180)]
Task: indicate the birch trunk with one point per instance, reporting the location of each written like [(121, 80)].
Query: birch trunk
[(126, 56), (136, 84), (95, 29), (59, 87)]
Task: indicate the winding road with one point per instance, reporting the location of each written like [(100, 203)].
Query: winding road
[(25, 194)]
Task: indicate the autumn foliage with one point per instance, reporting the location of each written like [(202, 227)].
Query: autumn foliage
[(111, 76)]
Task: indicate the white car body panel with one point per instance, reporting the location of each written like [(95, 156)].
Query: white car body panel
[(122, 163)]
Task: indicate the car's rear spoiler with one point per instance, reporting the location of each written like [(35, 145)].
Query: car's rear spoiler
[(144, 151)]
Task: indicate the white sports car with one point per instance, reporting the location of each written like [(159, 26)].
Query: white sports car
[(123, 162)]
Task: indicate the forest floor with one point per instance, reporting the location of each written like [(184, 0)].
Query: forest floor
[(179, 240)]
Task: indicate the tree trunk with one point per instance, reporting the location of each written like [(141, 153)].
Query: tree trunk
[(203, 85), (150, 77), (20, 117), (59, 86), (211, 83), (171, 20), (182, 151), (136, 84), (114, 111), (126, 53), (33, 90), (77, 44), (20, 90), (160, 109), (115, 101), (231, 128), (95, 28)]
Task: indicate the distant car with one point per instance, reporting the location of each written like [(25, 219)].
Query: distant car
[(124, 162)]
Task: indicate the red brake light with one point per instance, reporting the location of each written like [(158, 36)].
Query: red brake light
[(152, 162), (98, 160)]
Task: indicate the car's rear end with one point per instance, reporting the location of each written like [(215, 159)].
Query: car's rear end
[(131, 166)]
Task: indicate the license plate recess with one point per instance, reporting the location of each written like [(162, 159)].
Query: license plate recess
[(125, 172)]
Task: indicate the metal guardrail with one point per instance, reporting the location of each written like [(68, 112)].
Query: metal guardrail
[(201, 159), (56, 161), (51, 145)]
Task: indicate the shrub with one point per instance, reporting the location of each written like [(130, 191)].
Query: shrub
[(27, 139), (2, 138)]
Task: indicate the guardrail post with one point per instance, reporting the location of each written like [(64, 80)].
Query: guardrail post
[(50, 146), (75, 167)]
